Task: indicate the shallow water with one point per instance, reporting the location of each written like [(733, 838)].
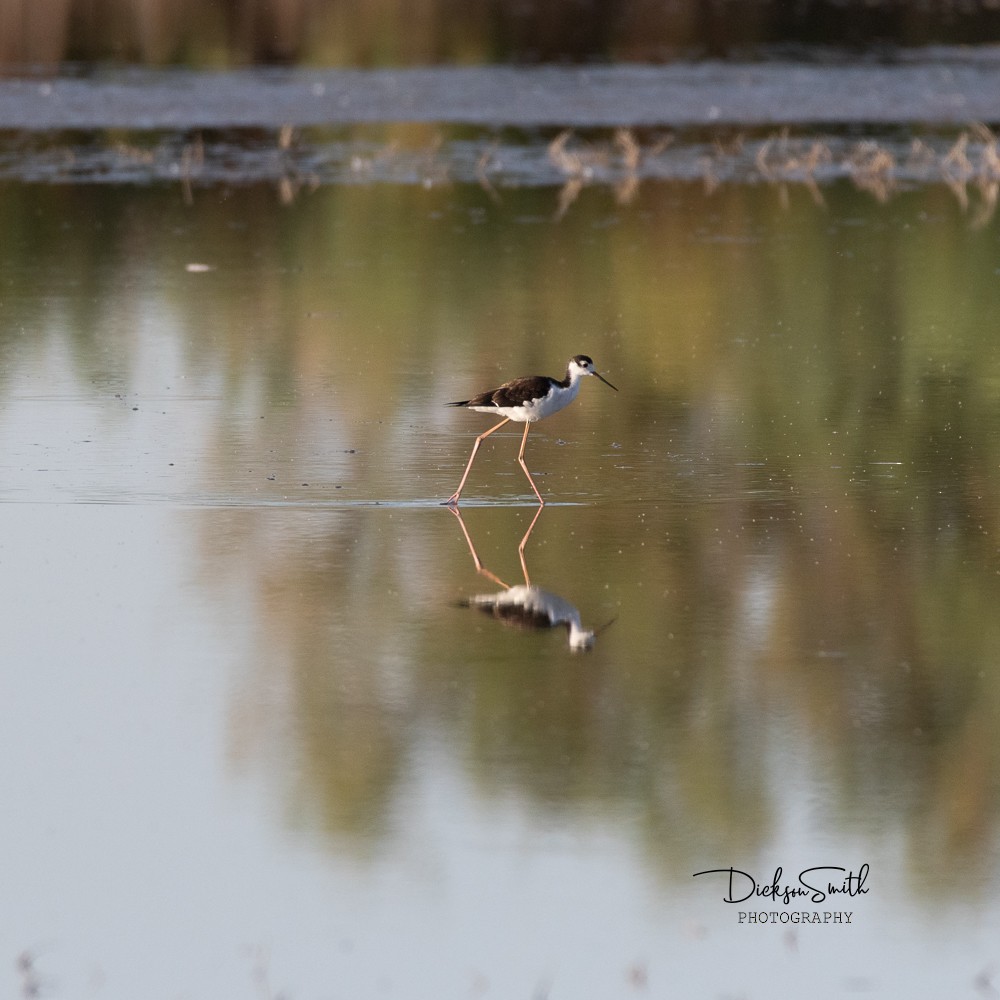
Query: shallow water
[(257, 741), (944, 85)]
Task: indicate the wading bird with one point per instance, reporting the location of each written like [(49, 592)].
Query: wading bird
[(526, 401)]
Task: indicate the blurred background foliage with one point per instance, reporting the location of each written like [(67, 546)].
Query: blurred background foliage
[(408, 32)]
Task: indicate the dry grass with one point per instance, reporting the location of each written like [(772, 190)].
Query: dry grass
[(971, 163), (622, 160)]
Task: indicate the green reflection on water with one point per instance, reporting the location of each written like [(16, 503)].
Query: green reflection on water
[(790, 509)]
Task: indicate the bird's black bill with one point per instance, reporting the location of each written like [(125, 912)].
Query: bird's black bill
[(605, 381)]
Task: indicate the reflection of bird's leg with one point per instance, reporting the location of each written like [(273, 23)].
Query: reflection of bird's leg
[(524, 541), (479, 440), (480, 568), (520, 458)]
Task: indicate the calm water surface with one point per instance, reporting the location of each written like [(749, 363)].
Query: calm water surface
[(261, 740)]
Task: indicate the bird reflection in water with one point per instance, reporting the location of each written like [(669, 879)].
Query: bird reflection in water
[(526, 606)]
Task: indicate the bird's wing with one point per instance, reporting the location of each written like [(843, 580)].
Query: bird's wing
[(516, 392)]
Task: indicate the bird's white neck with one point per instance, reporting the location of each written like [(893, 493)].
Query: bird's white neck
[(571, 383)]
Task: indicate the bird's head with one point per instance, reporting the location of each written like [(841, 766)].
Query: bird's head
[(582, 365)]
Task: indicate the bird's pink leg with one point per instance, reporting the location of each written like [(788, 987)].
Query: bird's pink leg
[(453, 499), (524, 541), (520, 458), (480, 568)]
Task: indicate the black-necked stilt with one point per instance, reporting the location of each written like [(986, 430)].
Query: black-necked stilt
[(525, 401)]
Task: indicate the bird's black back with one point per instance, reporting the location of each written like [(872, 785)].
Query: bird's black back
[(517, 392)]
